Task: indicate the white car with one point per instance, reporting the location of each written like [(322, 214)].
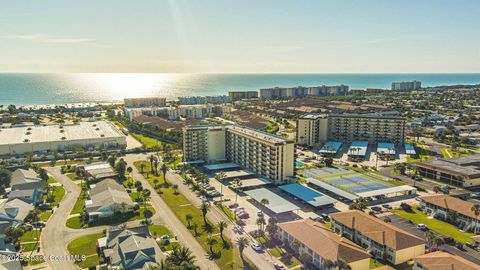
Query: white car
[(256, 247), (239, 209), (422, 227)]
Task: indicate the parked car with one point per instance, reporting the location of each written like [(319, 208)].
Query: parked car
[(39, 224), (448, 240), (256, 247), (260, 213), (243, 215), (209, 187), (460, 246), (387, 206), (422, 227), (279, 266), (376, 208), (470, 245), (319, 219), (325, 217), (44, 206), (233, 205), (239, 209)]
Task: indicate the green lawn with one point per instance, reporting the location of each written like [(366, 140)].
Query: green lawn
[(44, 216), (434, 224), (375, 263), (72, 176), (158, 231), (86, 245), (29, 236), (29, 246), (227, 211), (77, 223), (181, 206), (147, 141), (78, 207), (51, 180), (57, 193)]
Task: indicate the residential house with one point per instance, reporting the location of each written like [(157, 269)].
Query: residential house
[(442, 206), (379, 238), (106, 198), (441, 260), (131, 248), (26, 180), (13, 213), (320, 244), (99, 171)]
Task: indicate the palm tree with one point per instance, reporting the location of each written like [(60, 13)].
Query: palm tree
[(188, 218), (180, 255), (242, 243), (151, 158), (123, 208), (238, 184), (142, 167), (264, 201), (175, 189), (204, 208), (328, 264), (219, 177), (222, 225), (437, 189), (164, 169), (211, 242), (260, 223), (342, 265), (272, 227), (155, 183), (476, 211)]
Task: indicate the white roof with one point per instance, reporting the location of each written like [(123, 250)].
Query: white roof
[(253, 182), (333, 189), (385, 191), (275, 203), (52, 133)]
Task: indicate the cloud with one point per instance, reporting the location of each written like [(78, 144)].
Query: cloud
[(40, 38)]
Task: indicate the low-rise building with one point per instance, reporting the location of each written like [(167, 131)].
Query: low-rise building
[(145, 102), (440, 260), (13, 213), (442, 206), (107, 198), (461, 171), (99, 171), (26, 179), (379, 238), (320, 244), (131, 249)]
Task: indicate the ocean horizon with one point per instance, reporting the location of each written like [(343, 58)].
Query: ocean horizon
[(55, 88)]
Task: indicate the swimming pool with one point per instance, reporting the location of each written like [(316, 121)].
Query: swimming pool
[(299, 164)]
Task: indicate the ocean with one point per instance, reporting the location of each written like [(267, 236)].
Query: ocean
[(37, 89)]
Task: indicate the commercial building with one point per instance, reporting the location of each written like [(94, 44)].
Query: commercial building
[(383, 240), (374, 128), (301, 91), (442, 260), (461, 171), (320, 244), (265, 154), (204, 100), (239, 95), (145, 102), (45, 138), (187, 111), (440, 205), (406, 86)]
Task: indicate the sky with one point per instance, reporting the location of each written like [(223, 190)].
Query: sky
[(247, 36)]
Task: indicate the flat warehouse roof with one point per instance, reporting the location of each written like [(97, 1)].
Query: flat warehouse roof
[(329, 146), (387, 148), (409, 149), (333, 189), (308, 195), (55, 133), (358, 148), (275, 203), (221, 166), (386, 191)]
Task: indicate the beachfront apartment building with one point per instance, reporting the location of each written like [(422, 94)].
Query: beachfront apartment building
[(145, 102), (382, 240), (319, 244), (406, 86), (265, 154), (239, 95), (194, 100), (461, 171), (374, 128), (199, 111), (301, 91), (442, 206)]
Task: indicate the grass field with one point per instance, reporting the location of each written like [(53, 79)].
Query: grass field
[(86, 245), (181, 206), (450, 153), (434, 224), (78, 207), (147, 141), (57, 193), (77, 223)]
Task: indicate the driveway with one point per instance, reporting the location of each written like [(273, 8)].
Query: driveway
[(469, 254)]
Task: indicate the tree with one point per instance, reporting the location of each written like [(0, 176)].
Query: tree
[(452, 216), (476, 211), (222, 225), (175, 189), (219, 177), (13, 234), (242, 243), (5, 177), (437, 189), (152, 159), (188, 218), (204, 208), (142, 168), (146, 196), (123, 208), (387, 220), (147, 214), (328, 162), (272, 227), (164, 172), (129, 170), (111, 160), (358, 204), (264, 201), (260, 223), (238, 184), (120, 168), (211, 242), (180, 255)]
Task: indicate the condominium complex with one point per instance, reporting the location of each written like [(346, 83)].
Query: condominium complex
[(145, 102), (375, 128), (381, 239), (461, 171), (188, 111), (203, 100), (406, 86), (238, 95), (300, 91), (265, 154)]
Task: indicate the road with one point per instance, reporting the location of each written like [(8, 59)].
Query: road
[(261, 260), (174, 224), (469, 254)]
